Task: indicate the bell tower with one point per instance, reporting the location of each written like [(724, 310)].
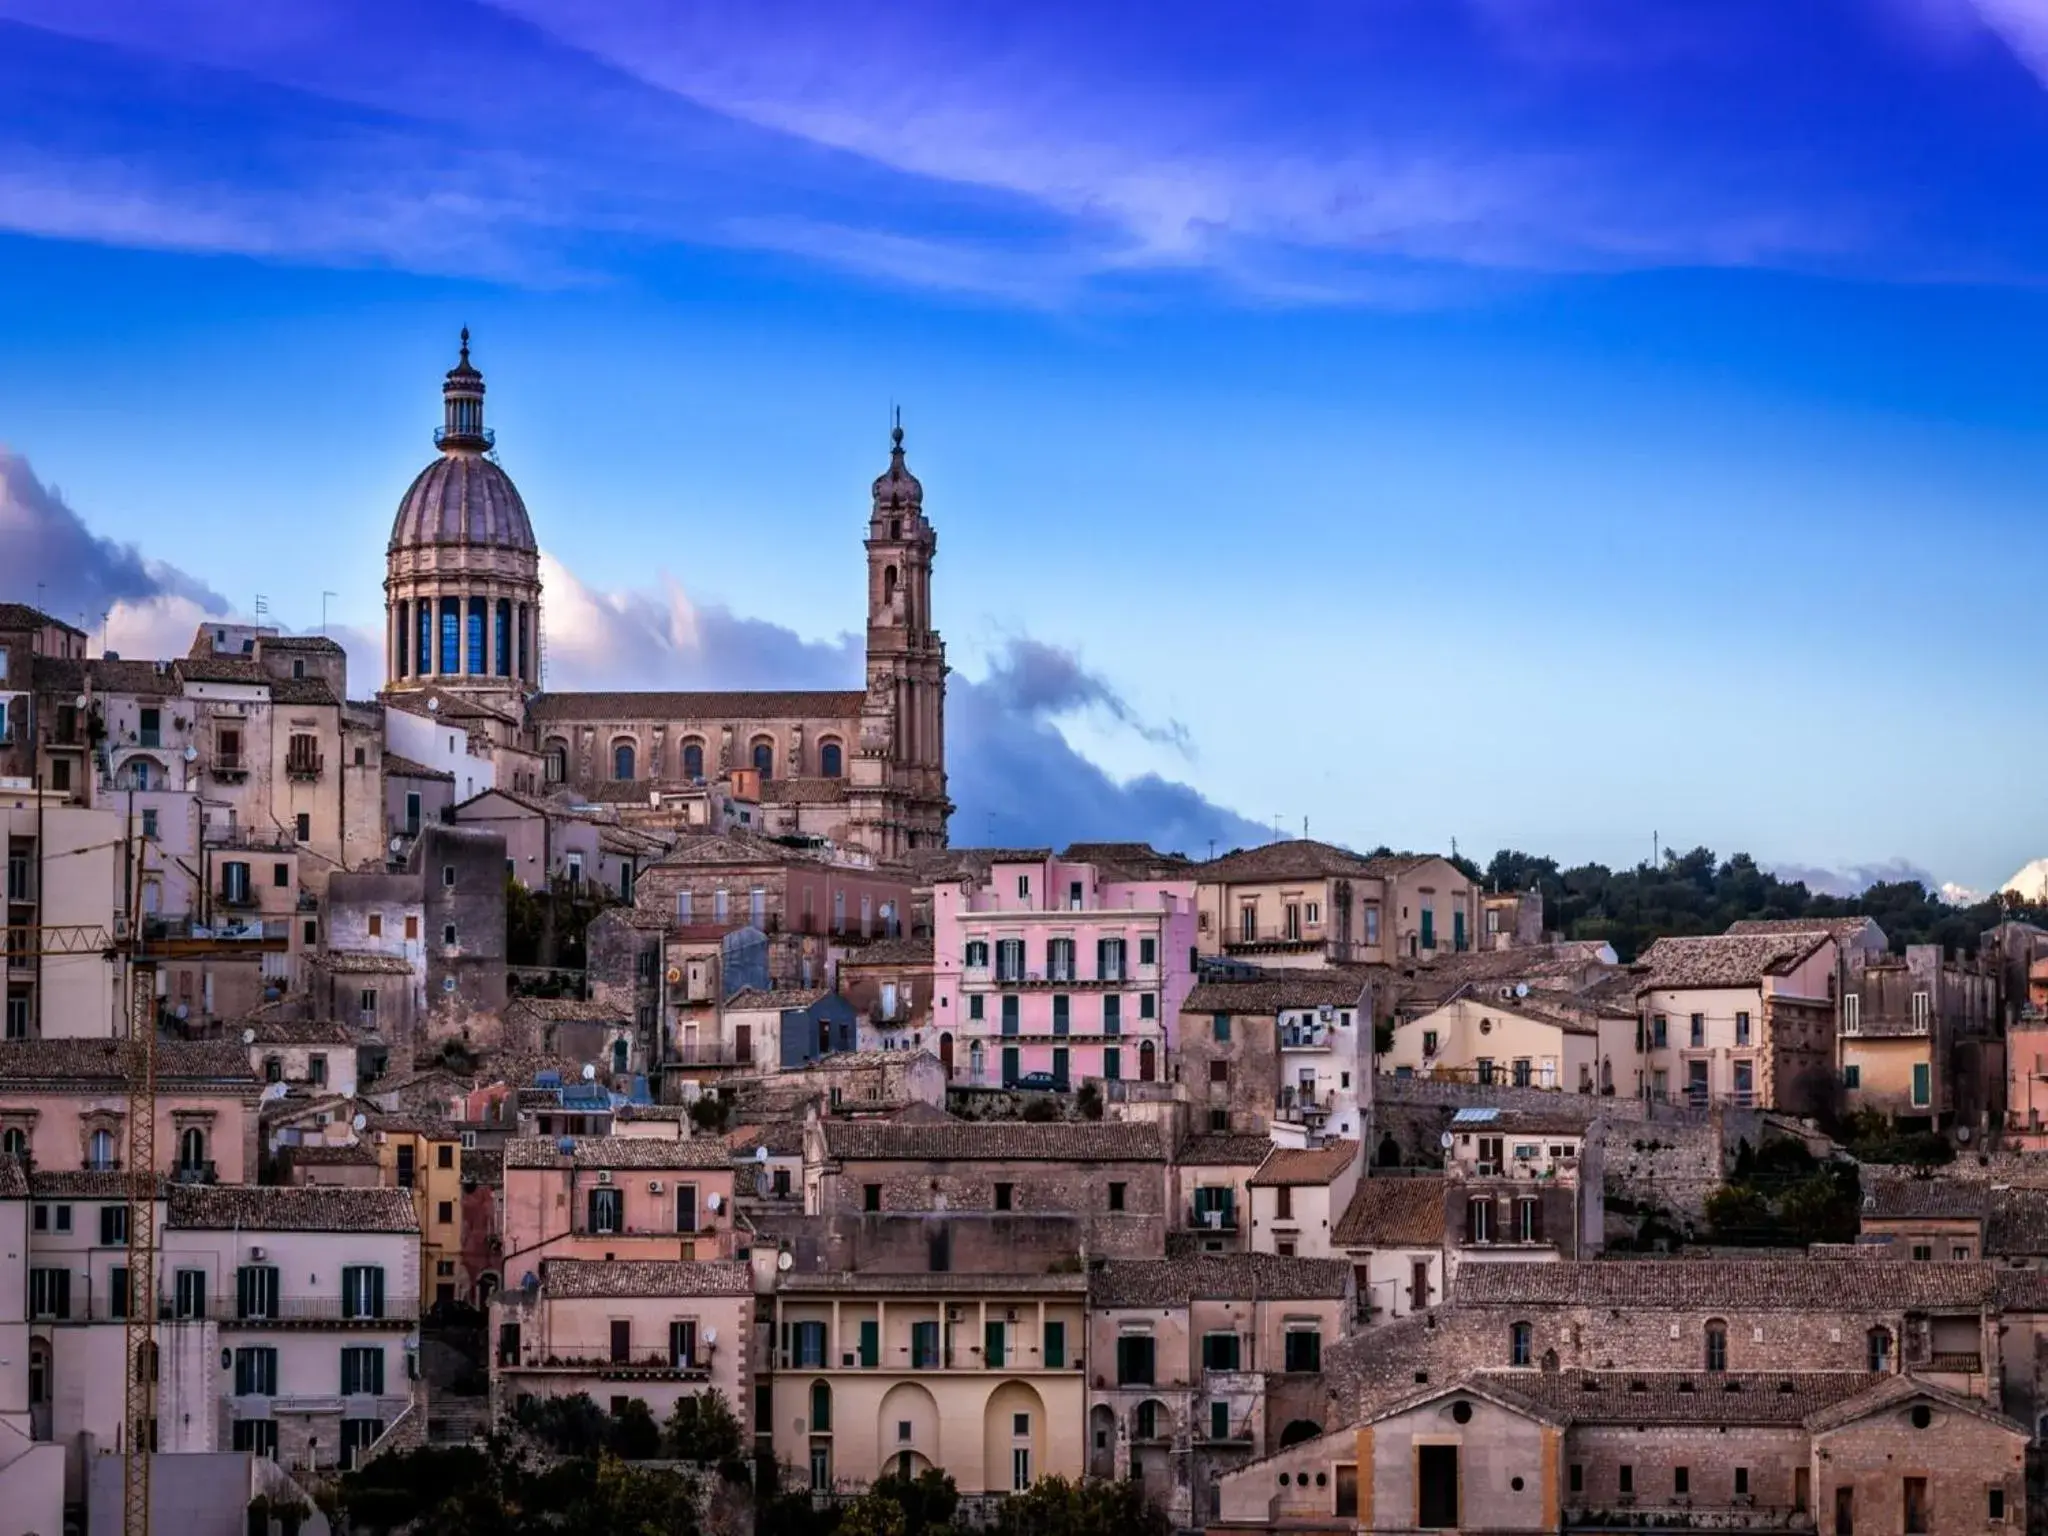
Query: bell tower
[(899, 779)]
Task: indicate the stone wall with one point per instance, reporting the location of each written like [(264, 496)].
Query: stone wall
[(1661, 1167)]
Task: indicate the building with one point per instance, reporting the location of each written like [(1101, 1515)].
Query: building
[(64, 1107), (1212, 1194), (657, 1330), (1525, 1185), (1299, 1195), (1925, 1219), (317, 1055), (312, 1297), (1287, 1055), (1510, 919), (1300, 903), (864, 768), (1919, 1041), (1204, 1363), (27, 634), (889, 984), (1523, 1037), (1393, 1234), (68, 869), (980, 1375), (1059, 969), (422, 1155), (614, 1197), (1741, 1019)]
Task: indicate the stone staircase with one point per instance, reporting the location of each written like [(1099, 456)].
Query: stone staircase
[(458, 1420)]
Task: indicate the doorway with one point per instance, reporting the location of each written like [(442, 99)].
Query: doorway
[(1436, 1495), (946, 1055)]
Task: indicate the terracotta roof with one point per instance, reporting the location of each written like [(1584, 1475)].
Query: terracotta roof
[(888, 952), (355, 962), (1682, 1397), (1216, 1277), (55, 674), (783, 1138), (320, 1154), (1892, 1391), (703, 1152), (1924, 1200), (1393, 1212), (1391, 866), (1725, 960), (1336, 988), (301, 643), (1130, 861), (559, 1010), (1446, 971), (566, 1278), (652, 1112), (1305, 1165), (1843, 929), (74, 1183), (63, 1063), (533, 805), (670, 708), (730, 848), (290, 1208), (275, 1031), (1223, 1151), (1291, 859), (1759, 1285), (302, 690), (22, 616), (806, 791), (2019, 1224), (952, 1282), (1012, 1141), (785, 998)]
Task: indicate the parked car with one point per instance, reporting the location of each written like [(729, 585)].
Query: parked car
[(1038, 1082)]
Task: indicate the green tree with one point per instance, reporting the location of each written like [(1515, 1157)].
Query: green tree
[(872, 1514), (704, 1428), (1052, 1506), (633, 1434), (928, 1500)]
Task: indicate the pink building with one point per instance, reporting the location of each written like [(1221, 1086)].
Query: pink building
[(64, 1106), (614, 1198), (1060, 966)]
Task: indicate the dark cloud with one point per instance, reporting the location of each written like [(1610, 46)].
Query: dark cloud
[(43, 543), (1037, 679)]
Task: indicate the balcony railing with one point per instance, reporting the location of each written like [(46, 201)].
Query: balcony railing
[(1299, 1037), (397, 1311), (1302, 1108), (276, 839), (1212, 1219), (194, 1173), (304, 765), (1239, 937), (354, 1405), (633, 1363), (229, 765), (707, 1056)]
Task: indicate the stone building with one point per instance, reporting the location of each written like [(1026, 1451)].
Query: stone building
[(865, 768), (1236, 1039), (1298, 1196), (614, 1197), (1920, 1040), (1298, 903), (1393, 1234)]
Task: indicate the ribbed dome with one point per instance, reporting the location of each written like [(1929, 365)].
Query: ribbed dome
[(896, 488), (463, 498)]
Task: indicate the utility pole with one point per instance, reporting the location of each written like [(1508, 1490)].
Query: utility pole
[(323, 609)]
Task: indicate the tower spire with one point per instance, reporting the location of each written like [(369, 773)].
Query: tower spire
[(462, 408)]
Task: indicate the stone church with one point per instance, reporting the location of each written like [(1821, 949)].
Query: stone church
[(464, 623)]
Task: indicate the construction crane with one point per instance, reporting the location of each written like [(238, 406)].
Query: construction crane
[(138, 1052)]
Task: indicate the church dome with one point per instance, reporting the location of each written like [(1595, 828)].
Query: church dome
[(463, 497), (896, 488)]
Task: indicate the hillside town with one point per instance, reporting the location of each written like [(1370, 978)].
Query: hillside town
[(408, 1063)]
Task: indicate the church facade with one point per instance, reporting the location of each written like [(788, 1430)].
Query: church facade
[(463, 619)]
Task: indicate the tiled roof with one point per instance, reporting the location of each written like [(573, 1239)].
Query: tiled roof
[(1391, 866), (561, 1010), (805, 791), (318, 1154), (70, 1183), (565, 1278), (302, 690), (55, 674), (652, 1112), (888, 952), (532, 804), (1893, 1391), (482, 1165), (405, 768), (782, 1138), (1759, 1285), (670, 708), (951, 1283), (2019, 1224), (1336, 988), (729, 848), (1130, 861), (1011, 1141), (1844, 929), (273, 1031), (1216, 1277), (1223, 1151), (1393, 1212), (1291, 859), (1305, 1165), (703, 1152), (1681, 1397), (356, 962), (1725, 960), (301, 643), (290, 1208), (22, 616), (1923, 1200), (782, 998), (63, 1063)]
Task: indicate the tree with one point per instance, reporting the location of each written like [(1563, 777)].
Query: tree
[(633, 1434), (928, 1500), (703, 1428), (1052, 1506), (872, 1514)]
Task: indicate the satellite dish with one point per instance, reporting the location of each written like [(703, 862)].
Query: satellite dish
[(191, 754), (82, 701), (1447, 1141), (710, 1337), (1521, 989), (715, 1200), (785, 1261), (760, 1154), (589, 1072), (433, 706), (360, 1121), (248, 1037), (398, 845), (1962, 1133), (184, 1010)]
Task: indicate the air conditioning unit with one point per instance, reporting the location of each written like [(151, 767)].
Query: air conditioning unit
[(1010, 1316), (604, 1175), (256, 1253), (955, 1314), (654, 1186), (1326, 1012)]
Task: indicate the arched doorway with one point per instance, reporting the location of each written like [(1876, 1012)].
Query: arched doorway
[(1389, 1155), (1102, 1441), (1148, 1062), (976, 1061), (946, 1054), (1298, 1430)]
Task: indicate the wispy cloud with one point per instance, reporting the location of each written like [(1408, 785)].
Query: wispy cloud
[(1855, 879)]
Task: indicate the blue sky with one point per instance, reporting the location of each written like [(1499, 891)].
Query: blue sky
[(1528, 422)]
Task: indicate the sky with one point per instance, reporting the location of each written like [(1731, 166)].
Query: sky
[(1550, 424)]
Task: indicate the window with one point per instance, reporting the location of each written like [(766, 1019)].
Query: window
[(362, 1290), (1020, 1469), (1220, 1351), (821, 1407), (357, 1436), (304, 826), (1304, 1351), (686, 1207), (1109, 960), (1923, 1252), (1148, 1005), (192, 1148), (444, 1213), (1681, 1480), (1112, 1014), (148, 816), (829, 760), (1148, 951), (1922, 1086), (1852, 1076), (1055, 1347), (1576, 1478), (1010, 1021), (257, 1436), (1134, 1356), (1717, 1345), (1116, 1194), (993, 1341), (113, 1225), (924, 1346), (1994, 1504), (188, 1293), (764, 759), (1479, 1220), (1879, 1341), (1741, 1481), (622, 760), (1005, 1194), (256, 1291), (1625, 1478), (448, 935), (1145, 1422), (1742, 1028), (975, 957), (1009, 960), (1060, 1013), (100, 1154), (407, 1154), (1658, 1032), (1283, 1203), (1519, 1344), (412, 929), (1917, 1519), (809, 1339), (1219, 1028), (49, 1293), (256, 1371)]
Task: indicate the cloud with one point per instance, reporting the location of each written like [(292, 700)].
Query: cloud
[(1014, 777), (1855, 879), (2023, 26)]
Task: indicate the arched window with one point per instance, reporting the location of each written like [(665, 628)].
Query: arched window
[(1717, 1345), (191, 1147), (821, 1408), (622, 760), (693, 759), (975, 1060), (889, 584), (101, 1154), (829, 759), (1145, 1422), (1521, 1340), (558, 761), (764, 757), (14, 1142), (1880, 1340)]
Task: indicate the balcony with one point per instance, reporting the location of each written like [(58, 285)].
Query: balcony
[(231, 767), (292, 1311), (351, 1405), (305, 766), (1275, 939), (982, 977), (1306, 1037), (1299, 1108), (264, 839), (706, 1056), (635, 1365), (194, 1173), (1210, 1219)]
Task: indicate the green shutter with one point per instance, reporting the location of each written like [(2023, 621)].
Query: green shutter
[(870, 1342), (992, 1345), (1055, 1346)]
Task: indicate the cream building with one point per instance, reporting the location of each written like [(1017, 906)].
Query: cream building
[(1300, 903), (978, 1375), (66, 865), (1297, 1197), (1525, 1039), (1743, 1019)]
